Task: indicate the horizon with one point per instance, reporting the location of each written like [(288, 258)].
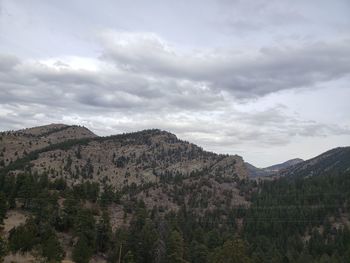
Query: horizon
[(268, 81)]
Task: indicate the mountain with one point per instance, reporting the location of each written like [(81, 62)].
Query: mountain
[(333, 161), (70, 164), (71, 151), (271, 170), (16, 144), (278, 167), (255, 171), (67, 194), (142, 158), (336, 160)]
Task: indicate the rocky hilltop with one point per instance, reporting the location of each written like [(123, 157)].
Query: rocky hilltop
[(76, 153), (16, 144), (138, 160)]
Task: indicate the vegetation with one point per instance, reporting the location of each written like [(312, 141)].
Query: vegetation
[(179, 217), (290, 220)]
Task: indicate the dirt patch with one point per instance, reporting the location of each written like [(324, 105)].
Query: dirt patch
[(13, 219), (20, 258)]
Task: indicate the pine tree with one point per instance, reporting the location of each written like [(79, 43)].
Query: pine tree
[(233, 251), (82, 252), (2, 248), (3, 206), (103, 233), (199, 252), (129, 258), (175, 248), (51, 249)]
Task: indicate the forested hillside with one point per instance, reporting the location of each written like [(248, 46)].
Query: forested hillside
[(66, 201)]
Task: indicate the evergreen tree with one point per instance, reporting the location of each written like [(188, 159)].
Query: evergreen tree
[(175, 248), (51, 249), (3, 206), (199, 253), (129, 258), (103, 233), (233, 251), (82, 251), (2, 248), (24, 237)]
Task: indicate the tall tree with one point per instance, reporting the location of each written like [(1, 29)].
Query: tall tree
[(103, 233), (233, 251), (3, 206), (82, 251), (175, 248)]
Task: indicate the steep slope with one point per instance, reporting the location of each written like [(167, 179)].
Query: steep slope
[(333, 161)]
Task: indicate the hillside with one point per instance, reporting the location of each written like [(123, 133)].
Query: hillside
[(138, 159), (16, 144), (336, 161), (271, 170), (149, 197), (114, 173), (282, 166), (333, 161), (121, 159)]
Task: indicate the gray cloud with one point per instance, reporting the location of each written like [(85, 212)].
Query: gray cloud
[(218, 73), (140, 75), (7, 63), (260, 16), (118, 90), (268, 70)]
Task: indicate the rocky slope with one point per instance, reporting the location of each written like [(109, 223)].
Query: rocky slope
[(141, 159), (16, 144), (136, 157)]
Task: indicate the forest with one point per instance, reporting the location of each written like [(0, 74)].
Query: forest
[(291, 219)]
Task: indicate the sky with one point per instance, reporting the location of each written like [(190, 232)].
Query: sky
[(267, 80)]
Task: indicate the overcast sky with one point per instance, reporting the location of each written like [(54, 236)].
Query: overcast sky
[(268, 80)]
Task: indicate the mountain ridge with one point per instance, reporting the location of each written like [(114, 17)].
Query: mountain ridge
[(135, 189), (137, 157), (335, 160)]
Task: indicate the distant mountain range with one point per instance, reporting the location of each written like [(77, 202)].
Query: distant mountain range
[(271, 170), (334, 161), (158, 151)]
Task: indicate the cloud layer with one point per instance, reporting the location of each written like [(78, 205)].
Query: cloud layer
[(140, 81), (252, 77)]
